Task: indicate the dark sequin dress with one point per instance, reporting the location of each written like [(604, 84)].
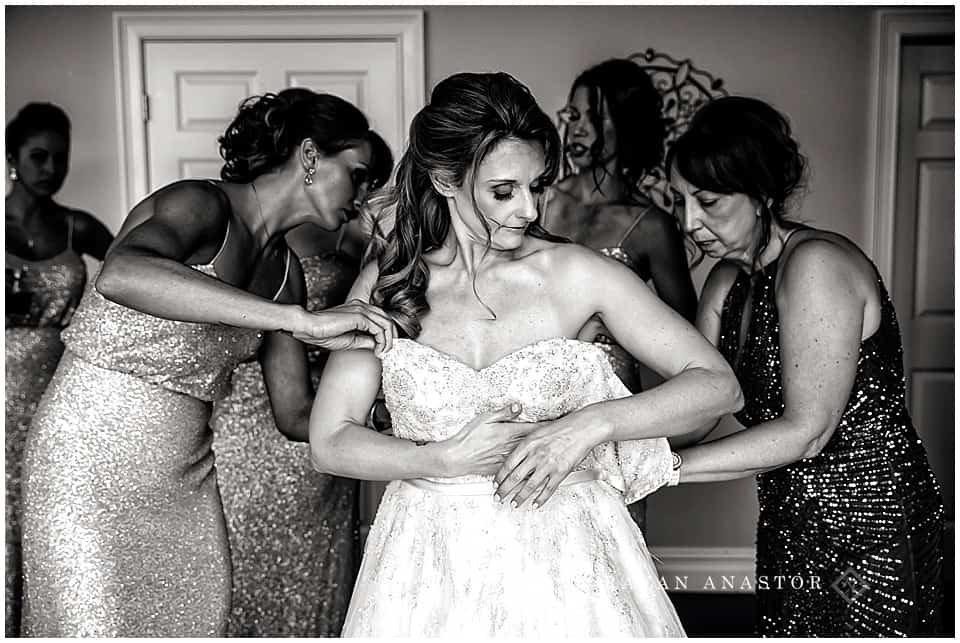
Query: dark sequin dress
[(40, 305), (864, 516), (292, 531)]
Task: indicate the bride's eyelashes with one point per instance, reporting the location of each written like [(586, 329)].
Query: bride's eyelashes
[(505, 195)]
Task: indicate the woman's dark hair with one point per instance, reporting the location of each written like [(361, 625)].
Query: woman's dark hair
[(34, 118), (381, 160), (635, 106), (737, 144), (269, 128), (467, 116)]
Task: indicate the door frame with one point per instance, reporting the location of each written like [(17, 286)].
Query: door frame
[(889, 29), (132, 29)]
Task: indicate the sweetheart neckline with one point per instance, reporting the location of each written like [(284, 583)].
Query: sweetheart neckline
[(456, 360)]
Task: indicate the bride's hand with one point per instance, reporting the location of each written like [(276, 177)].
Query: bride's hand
[(481, 446), (352, 325), (543, 459)]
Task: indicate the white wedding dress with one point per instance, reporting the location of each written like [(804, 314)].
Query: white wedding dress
[(444, 559)]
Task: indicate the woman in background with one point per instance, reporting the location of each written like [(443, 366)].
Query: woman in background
[(293, 535), (614, 135), (124, 532), (45, 276), (846, 494)]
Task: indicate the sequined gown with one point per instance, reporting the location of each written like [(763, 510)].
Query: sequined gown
[(627, 369), (444, 559), (46, 292), (865, 516), (292, 531), (124, 532)]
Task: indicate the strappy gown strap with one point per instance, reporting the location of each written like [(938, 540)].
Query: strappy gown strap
[(223, 244), (71, 218), (226, 234), (626, 235), (286, 275)]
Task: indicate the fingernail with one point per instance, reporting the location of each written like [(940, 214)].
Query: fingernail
[(496, 497), (513, 503), (536, 505)]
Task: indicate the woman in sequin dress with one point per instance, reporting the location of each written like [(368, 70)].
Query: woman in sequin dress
[(45, 275), (293, 531), (124, 531), (614, 135), (848, 502)]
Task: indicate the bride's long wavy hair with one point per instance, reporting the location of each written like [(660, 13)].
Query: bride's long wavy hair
[(467, 116)]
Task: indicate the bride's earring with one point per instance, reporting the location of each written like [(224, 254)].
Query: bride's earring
[(308, 179), (13, 174)]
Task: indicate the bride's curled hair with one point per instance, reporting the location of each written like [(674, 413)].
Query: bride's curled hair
[(467, 116), (269, 128)]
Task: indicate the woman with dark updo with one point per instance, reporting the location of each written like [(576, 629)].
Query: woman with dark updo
[(124, 531), (45, 276), (293, 531)]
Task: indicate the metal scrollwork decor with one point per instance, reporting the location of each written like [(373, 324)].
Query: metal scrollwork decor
[(685, 88)]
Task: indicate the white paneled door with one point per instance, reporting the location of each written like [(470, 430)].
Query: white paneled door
[(193, 89), (924, 229)]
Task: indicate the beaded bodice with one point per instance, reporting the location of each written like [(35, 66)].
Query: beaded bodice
[(431, 395), (186, 357), (45, 292)]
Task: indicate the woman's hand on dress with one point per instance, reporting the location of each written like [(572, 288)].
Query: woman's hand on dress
[(352, 325), (543, 459), (480, 447)]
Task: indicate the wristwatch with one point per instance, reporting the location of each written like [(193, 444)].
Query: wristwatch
[(674, 479)]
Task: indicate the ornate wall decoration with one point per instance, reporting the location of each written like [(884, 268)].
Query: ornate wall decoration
[(685, 88)]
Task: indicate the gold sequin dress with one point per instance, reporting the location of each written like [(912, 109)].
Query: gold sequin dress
[(124, 532), (40, 303), (850, 541), (292, 530), (627, 369)]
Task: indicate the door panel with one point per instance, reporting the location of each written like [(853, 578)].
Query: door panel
[(194, 89), (923, 271)]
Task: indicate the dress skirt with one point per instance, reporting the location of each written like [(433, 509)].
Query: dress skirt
[(293, 531), (123, 526), (446, 559), (31, 356)]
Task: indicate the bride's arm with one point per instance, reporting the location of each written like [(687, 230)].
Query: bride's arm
[(699, 385), (342, 445)]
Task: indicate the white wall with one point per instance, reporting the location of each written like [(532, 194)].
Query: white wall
[(811, 62)]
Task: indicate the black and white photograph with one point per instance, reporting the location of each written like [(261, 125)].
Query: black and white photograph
[(479, 321)]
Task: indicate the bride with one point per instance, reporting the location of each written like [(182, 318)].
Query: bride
[(488, 305)]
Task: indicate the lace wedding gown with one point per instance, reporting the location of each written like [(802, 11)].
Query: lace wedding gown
[(443, 558)]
